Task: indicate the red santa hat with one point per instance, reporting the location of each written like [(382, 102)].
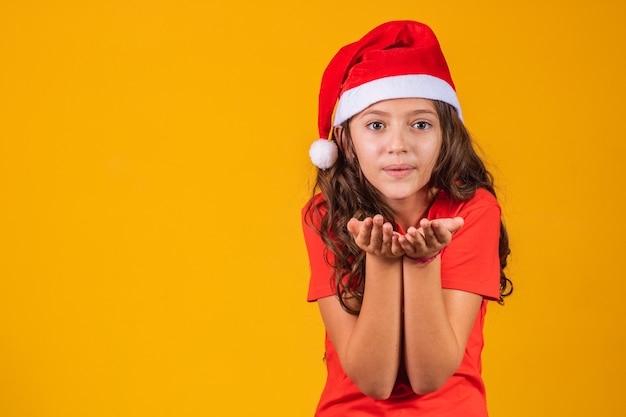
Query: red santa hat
[(400, 59)]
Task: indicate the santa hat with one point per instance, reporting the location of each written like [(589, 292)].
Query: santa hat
[(400, 59)]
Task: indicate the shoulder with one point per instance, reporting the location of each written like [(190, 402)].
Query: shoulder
[(318, 200), (482, 200), (320, 257), (313, 210), (482, 197), (471, 261)]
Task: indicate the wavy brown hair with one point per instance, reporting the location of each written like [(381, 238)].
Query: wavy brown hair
[(347, 193)]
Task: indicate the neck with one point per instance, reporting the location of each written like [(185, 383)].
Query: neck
[(408, 212)]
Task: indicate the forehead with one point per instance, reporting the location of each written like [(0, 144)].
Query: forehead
[(401, 106)]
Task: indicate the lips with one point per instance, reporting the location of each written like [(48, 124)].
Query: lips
[(398, 170)]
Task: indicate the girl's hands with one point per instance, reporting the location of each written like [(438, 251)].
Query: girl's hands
[(376, 237), (431, 237)]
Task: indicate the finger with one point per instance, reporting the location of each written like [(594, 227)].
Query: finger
[(387, 230), (364, 237), (457, 223), (412, 242), (440, 233), (376, 238), (427, 230), (412, 246), (406, 246), (414, 235), (396, 247), (354, 226), (387, 238), (452, 224)]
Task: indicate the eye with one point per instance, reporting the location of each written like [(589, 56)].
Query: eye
[(376, 125), (421, 125)]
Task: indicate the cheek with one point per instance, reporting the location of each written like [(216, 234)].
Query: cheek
[(435, 155), (429, 153), (366, 150)]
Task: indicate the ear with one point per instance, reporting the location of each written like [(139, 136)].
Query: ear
[(343, 143), (338, 135)]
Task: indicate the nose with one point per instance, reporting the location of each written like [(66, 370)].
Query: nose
[(397, 141)]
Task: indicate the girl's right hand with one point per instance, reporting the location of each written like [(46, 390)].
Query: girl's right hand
[(375, 236)]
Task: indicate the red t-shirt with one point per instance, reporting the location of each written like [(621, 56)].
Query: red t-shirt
[(469, 263)]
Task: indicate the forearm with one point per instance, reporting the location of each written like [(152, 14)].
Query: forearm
[(432, 349), (372, 353)]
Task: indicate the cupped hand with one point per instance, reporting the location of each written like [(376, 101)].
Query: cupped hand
[(375, 236), (430, 238)]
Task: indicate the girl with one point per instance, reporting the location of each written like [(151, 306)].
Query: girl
[(404, 235)]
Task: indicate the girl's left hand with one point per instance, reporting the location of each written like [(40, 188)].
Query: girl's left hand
[(431, 237)]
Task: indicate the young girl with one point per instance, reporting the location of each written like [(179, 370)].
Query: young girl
[(404, 235)]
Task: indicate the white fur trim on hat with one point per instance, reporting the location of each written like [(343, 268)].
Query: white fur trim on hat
[(359, 98), (323, 153)]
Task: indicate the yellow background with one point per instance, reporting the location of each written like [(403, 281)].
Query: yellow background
[(153, 162)]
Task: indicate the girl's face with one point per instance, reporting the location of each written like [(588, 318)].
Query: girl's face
[(397, 143)]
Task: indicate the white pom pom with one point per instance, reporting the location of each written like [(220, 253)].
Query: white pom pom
[(323, 153)]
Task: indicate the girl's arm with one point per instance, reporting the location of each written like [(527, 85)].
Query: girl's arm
[(369, 345), (437, 325), (437, 322)]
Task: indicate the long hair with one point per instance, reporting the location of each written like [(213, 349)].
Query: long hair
[(347, 193)]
